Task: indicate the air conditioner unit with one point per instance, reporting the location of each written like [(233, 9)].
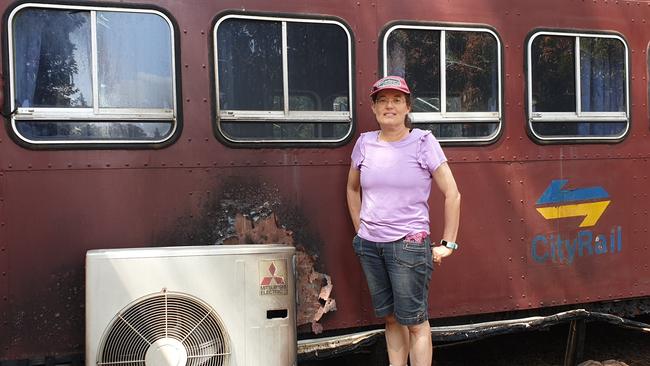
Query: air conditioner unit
[(224, 305)]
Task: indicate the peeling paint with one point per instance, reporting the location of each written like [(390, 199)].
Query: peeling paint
[(263, 231), (329, 305), (313, 288), (313, 291), (253, 213)]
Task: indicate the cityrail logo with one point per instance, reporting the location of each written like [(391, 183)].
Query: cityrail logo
[(562, 203), (558, 203)]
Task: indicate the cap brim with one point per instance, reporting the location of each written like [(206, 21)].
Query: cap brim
[(390, 88)]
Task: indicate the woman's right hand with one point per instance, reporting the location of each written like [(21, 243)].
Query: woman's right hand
[(440, 252)]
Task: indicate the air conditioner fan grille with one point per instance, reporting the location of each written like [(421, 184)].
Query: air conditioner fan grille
[(166, 315)]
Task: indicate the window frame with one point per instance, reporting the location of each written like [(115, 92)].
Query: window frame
[(452, 117), (578, 115), (95, 113), (285, 115)]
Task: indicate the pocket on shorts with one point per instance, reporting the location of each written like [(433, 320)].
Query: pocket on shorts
[(411, 253), (357, 246)]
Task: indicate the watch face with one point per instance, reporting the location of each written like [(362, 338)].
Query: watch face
[(449, 245)]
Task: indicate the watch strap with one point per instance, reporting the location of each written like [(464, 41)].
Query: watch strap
[(449, 244)]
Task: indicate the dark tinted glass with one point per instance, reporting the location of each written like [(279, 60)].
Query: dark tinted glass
[(575, 129), (553, 74), (444, 131), (250, 65), (318, 67), (285, 131)]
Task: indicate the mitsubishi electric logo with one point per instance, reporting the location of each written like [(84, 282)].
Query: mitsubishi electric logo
[(589, 202), (273, 277)]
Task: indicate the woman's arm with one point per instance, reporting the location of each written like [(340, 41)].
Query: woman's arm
[(354, 197), (447, 185)]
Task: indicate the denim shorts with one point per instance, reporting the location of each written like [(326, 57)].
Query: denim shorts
[(398, 275)]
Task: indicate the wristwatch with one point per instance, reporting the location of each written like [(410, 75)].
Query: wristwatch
[(449, 244)]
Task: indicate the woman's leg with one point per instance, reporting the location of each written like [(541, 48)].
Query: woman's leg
[(397, 342), (410, 273), (371, 256), (421, 349)]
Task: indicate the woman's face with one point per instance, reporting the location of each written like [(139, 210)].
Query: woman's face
[(390, 108)]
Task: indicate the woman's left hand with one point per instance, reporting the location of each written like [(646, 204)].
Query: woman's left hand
[(440, 252)]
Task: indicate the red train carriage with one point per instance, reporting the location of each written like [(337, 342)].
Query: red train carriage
[(172, 123)]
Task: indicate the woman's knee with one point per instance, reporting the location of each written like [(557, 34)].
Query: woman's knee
[(423, 327), (390, 319)]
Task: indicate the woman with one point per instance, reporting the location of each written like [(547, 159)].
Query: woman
[(387, 192)]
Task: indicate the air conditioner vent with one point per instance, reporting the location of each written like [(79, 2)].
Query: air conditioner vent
[(220, 305), (165, 329)]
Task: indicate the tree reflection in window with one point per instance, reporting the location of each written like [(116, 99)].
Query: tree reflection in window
[(471, 60), (415, 55), (52, 58), (57, 99), (96, 131), (461, 102)]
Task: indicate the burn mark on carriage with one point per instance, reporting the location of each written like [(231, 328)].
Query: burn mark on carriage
[(57, 321), (313, 287), (247, 212)]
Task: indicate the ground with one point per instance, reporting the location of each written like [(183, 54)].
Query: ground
[(538, 348), (546, 348)]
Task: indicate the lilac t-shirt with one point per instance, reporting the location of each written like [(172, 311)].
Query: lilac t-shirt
[(395, 183)]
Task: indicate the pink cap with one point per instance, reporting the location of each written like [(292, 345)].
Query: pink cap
[(390, 82)]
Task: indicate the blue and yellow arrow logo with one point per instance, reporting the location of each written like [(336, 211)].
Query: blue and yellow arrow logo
[(563, 205)]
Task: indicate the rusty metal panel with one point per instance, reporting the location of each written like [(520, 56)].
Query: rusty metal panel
[(55, 205)]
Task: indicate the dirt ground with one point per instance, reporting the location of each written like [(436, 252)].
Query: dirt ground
[(537, 348), (546, 348)]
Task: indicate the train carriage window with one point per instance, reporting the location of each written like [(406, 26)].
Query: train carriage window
[(577, 86), (282, 79), (455, 79), (87, 75)]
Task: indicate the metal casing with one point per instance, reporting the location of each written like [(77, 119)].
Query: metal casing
[(232, 280)]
